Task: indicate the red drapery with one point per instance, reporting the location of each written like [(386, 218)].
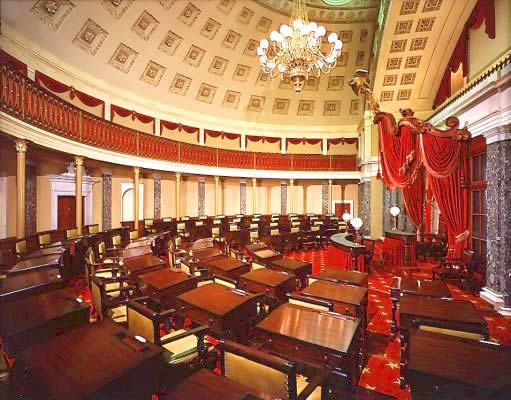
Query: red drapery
[(303, 141), (13, 62), (180, 127), (428, 209), (393, 251), (123, 112), (263, 139), (342, 259), (484, 11), (340, 141), (230, 136), (58, 87), (412, 145)]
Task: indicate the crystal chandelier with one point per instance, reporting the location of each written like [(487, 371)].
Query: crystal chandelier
[(295, 51)]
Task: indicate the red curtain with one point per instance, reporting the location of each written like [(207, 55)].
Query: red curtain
[(230, 136), (263, 138), (123, 112), (303, 141), (173, 126), (340, 141), (428, 209), (59, 87), (343, 259), (13, 62)]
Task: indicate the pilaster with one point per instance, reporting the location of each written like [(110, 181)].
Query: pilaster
[(107, 200)]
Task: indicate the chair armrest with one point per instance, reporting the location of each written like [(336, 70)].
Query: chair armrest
[(316, 381)]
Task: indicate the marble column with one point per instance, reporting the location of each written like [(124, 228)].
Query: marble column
[(30, 200), (107, 200), (254, 196), (324, 197), (178, 195), (136, 200), (157, 196), (364, 205), (218, 196), (498, 253), (78, 193), (202, 196), (330, 195), (283, 197), (21, 150), (291, 195), (243, 196)]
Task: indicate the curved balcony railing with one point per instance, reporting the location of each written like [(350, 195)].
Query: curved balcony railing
[(23, 99)]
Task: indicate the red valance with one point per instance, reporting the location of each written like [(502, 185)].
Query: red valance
[(13, 62), (59, 87), (123, 112), (230, 136), (180, 127), (340, 141), (302, 141), (263, 139)]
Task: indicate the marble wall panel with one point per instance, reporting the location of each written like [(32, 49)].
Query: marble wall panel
[(202, 197), (30, 200), (107, 201), (283, 198), (243, 197), (157, 197)]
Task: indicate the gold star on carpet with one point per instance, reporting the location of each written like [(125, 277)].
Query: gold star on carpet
[(366, 371), (370, 387), (392, 365)]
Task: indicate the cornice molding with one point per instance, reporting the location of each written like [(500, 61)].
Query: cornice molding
[(21, 130)]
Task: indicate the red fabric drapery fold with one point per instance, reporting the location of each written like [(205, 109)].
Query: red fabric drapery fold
[(484, 11), (173, 126), (123, 112), (59, 87), (340, 141), (428, 209), (440, 156), (230, 136), (303, 141), (13, 62), (263, 139)]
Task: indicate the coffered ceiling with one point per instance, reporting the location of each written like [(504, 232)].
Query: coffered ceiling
[(197, 55)]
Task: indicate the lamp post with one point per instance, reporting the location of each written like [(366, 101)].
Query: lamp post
[(395, 211), (356, 223), (346, 217)]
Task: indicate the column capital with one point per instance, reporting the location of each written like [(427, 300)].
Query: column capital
[(78, 161), (292, 181), (21, 145), (136, 170), (217, 179), (254, 181), (330, 181), (178, 175)]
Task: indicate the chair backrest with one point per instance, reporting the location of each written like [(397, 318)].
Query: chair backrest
[(102, 248), (233, 227), (96, 290), (71, 233), (217, 222), (258, 370), (315, 228), (185, 218), (44, 239), (236, 220), (221, 280), (133, 235), (21, 247), (274, 232), (181, 226), (142, 320), (215, 232), (311, 303), (295, 229), (254, 235), (167, 219), (94, 228), (274, 225), (199, 223), (117, 240), (148, 222)]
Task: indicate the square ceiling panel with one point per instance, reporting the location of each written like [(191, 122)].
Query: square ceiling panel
[(117, 8), (281, 106), (226, 5), (167, 4), (189, 14), (332, 108), (251, 48), (403, 27), (180, 85), (413, 62), (361, 57), (245, 16), (312, 83), (90, 37), (263, 25), (153, 73), (387, 95), (263, 79), (231, 40), (194, 56), (241, 73), (306, 108), (398, 46), (418, 43), (425, 24), (409, 7), (231, 99), (335, 82), (408, 79), (145, 25), (432, 5), (123, 58), (355, 107), (394, 63), (53, 13), (285, 83), (342, 60), (218, 66), (170, 43), (256, 103), (206, 93), (364, 34), (346, 36), (210, 29), (389, 80), (404, 94)]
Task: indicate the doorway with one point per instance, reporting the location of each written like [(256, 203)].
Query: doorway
[(66, 211), (343, 206)]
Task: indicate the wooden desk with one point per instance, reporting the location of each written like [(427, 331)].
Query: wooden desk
[(314, 340), (30, 320), (46, 251), (449, 314), (346, 299), (265, 256), (206, 385), (164, 285), (47, 261), (451, 368), (227, 266), (227, 313), (100, 361), (402, 286), (343, 276), (296, 267), (30, 282), (274, 284), (143, 264)]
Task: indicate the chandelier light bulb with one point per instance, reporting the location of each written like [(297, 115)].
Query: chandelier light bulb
[(332, 37), (338, 45), (297, 24), (260, 51), (283, 29), (274, 36), (264, 43), (320, 31), (313, 26), (282, 68)]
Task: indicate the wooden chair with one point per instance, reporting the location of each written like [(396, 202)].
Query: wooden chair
[(182, 347), (44, 239), (109, 297), (107, 268), (21, 248), (93, 228), (133, 236), (310, 302), (459, 270), (71, 233), (149, 226), (266, 373)]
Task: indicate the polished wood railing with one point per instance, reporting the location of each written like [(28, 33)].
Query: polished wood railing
[(23, 99)]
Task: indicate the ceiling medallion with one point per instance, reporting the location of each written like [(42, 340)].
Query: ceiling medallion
[(295, 51)]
